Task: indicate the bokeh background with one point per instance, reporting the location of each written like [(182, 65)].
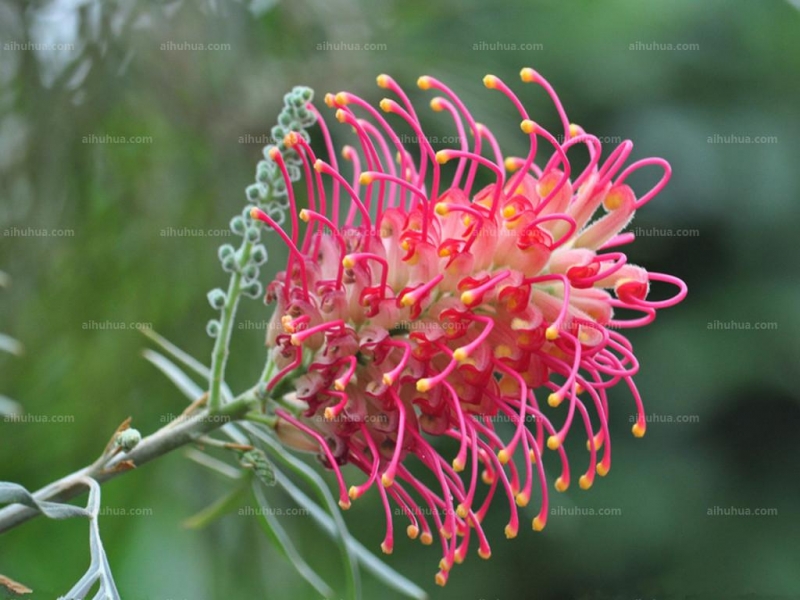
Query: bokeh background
[(192, 89)]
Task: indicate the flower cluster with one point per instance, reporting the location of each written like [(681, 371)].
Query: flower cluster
[(414, 307)]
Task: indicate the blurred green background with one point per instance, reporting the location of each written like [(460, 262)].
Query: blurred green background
[(725, 401)]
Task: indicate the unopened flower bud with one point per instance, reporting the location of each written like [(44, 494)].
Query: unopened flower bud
[(128, 439), (217, 298), (212, 328), (237, 225)]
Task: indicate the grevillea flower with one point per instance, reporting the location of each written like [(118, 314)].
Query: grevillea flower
[(414, 307)]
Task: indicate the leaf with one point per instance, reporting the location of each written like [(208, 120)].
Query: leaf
[(321, 488), (331, 525), (218, 508), (223, 468), (367, 559), (9, 407), (10, 345), (11, 493), (184, 358), (281, 540), (14, 587), (174, 373), (99, 569)]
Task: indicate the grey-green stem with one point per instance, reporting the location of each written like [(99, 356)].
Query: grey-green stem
[(219, 356), (170, 437)]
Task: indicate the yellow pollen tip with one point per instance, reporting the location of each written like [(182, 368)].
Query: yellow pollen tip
[(458, 466), (295, 341), (467, 298), (460, 354), (386, 480), (426, 538), (532, 456), (441, 209), (339, 385), (274, 153), (344, 504), (517, 324), (613, 201), (490, 81), (446, 534), (462, 511), (485, 554), (585, 482), (574, 130), (386, 105), (442, 156), (638, 430), (341, 116), (387, 549), (383, 80), (444, 565), (509, 211), (602, 470), (366, 178), (522, 499), (561, 485), (341, 99), (511, 532), (353, 492), (554, 400), (412, 531), (387, 379), (511, 165), (440, 580), (329, 100), (424, 82), (291, 139), (527, 75), (458, 557), (528, 126), (348, 262), (436, 104), (553, 442), (503, 351), (254, 212), (304, 216), (319, 165), (551, 333), (486, 478), (503, 456), (423, 385), (329, 414), (538, 524), (579, 389)]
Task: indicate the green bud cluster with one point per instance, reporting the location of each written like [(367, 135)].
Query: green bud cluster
[(269, 191), (270, 194), (262, 467)]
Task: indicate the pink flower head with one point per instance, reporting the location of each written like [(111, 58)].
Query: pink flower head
[(415, 307)]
